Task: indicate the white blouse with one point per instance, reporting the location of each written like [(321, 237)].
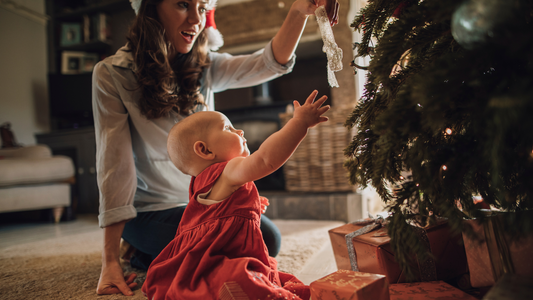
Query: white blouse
[(134, 171)]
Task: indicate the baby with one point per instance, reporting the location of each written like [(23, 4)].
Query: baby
[(218, 251)]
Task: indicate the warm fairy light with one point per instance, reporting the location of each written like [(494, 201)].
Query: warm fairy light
[(448, 131), (444, 167), (477, 199), (417, 184), (401, 177)]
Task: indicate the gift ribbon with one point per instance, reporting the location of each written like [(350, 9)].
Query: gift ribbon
[(333, 52), (428, 270), (499, 254), (369, 225)]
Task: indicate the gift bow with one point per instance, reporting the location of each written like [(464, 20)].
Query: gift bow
[(369, 225), (427, 268)]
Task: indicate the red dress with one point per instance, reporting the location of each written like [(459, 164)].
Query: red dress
[(219, 252)]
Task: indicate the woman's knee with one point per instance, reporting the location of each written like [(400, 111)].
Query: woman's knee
[(271, 236)]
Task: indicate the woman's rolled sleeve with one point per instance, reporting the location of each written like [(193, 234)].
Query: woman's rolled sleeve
[(273, 65), (116, 215)]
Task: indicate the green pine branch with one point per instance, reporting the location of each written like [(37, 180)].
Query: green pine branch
[(458, 119)]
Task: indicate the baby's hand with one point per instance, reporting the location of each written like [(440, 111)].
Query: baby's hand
[(311, 112), (264, 204)]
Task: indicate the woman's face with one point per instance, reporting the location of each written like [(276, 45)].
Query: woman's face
[(183, 20)]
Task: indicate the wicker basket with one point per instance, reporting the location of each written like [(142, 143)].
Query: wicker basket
[(317, 164)]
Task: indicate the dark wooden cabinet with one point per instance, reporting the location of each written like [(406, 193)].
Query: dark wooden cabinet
[(80, 33), (80, 146), (72, 132)]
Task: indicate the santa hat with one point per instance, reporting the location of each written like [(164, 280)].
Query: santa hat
[(214, 37)]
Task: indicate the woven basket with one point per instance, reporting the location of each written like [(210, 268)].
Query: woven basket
[(317, 164)]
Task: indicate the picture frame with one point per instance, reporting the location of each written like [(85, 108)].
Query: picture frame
[(72, 61), (71, 34), (75, 62), (88, 62)]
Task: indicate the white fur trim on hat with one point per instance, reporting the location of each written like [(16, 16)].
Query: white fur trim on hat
[(214, 38), (136, 5)]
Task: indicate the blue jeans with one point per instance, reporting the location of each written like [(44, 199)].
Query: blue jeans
[(150, 232)]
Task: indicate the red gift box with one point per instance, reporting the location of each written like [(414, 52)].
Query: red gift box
[(511, 287), (374, 254), (438, 290), (345, 284), (486, 265)]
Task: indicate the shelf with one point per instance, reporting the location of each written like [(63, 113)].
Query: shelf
[(118, 15), (108, 6), (96, 46)]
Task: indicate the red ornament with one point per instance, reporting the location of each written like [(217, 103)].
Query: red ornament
[(398, 11)]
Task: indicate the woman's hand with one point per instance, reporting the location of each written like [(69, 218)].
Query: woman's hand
[(113, 281), (308, 7), (332, 8)]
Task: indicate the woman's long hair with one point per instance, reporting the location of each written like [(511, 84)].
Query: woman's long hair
[(165, 85)]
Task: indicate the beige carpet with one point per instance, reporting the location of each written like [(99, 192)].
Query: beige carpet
[(69, 267)]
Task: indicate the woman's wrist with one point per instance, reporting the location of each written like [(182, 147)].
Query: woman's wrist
[(109, 261), (297, 12), (112, 236)]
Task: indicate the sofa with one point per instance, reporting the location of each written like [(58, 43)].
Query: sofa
[(31, 178)]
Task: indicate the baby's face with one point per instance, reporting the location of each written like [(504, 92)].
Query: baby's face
[(224, 140)]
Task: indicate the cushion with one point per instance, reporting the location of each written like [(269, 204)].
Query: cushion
[(21, 171), (29, 151), (32, 197)]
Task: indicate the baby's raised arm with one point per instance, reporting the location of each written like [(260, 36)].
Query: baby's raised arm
[(277, 148)]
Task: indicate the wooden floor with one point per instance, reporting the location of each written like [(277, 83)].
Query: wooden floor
[(18, 231)]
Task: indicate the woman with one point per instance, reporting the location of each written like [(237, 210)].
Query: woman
[(164, 73)]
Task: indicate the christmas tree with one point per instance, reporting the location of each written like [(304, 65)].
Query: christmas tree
[(447, 113)]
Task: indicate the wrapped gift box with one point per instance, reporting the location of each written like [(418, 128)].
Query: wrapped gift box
[(485, 265), (345, 284), (511, 287), (374, 253), (438, 290)]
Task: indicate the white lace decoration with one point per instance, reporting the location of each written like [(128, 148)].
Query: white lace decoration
[(333, 52)]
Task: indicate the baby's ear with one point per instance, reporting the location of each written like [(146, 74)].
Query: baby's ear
[(200, 148)]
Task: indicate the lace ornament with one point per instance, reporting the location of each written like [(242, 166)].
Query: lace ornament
[(333, 52)]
